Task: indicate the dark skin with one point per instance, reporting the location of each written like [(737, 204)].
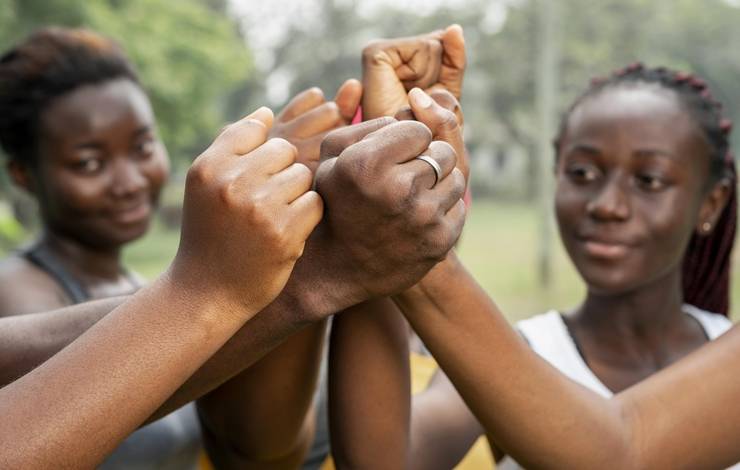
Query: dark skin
[(100, 167), (263, 419), (330, 275), (629, 158)]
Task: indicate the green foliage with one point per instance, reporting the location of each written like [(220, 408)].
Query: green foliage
[(188, 52)]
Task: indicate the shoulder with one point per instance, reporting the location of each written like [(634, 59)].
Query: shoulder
[(714, 324), (24, 288)]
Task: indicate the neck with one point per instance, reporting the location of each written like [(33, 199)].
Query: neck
[(645, 315), (83, 260)]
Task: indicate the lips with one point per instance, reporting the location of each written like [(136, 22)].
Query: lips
[(132, 213), (604, 248)]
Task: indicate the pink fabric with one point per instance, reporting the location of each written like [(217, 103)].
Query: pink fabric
[(468, 198), (358, 116)]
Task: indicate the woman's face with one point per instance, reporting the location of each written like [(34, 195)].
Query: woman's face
[(632, 175), (100, 165)]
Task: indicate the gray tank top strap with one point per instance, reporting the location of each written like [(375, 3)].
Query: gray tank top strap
[(47, 262)]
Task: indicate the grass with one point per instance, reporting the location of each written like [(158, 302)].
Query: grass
[(499, 247)]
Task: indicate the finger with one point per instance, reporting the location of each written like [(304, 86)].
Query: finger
[(442, 122), (291, 182), (271, 157), (449, 190), (453, 60), (420, 61), (405, 114), (336, 141), (393, 144), (348, 98), (440, 152), (454, 219), (309, 151), (447, 100), (306, 211), (302, 102), (246, 134), (322, 118)]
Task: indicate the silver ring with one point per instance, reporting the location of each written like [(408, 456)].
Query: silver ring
[(435, 166)]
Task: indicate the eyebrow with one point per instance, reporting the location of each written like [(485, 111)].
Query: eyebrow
[(143, 130), (647, 153), (583, 148)]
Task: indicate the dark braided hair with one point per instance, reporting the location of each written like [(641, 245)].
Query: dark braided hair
[(706, 263), (48, 64)]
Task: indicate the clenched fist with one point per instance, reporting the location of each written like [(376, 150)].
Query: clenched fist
[(388, 220), (392, 67), (308, 117), (248, 211)]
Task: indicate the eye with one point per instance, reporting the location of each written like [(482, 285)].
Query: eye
[(650, 182), (88, 166), (144, 148), (582, 173)]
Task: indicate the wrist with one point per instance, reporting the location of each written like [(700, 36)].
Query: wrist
[(201, 297), (320, 284)]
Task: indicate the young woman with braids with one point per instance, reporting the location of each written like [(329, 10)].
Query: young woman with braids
[(645, 203)]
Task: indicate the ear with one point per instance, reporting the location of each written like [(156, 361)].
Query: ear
[(21, 176), (711, 208)]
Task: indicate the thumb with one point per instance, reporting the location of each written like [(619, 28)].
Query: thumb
[(348, 98), (441, 121)]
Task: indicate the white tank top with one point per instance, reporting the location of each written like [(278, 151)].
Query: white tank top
[(549, 337)]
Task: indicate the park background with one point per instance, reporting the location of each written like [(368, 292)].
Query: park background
[(207, 62)]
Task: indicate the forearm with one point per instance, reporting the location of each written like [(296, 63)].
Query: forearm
[(67, 413), (369, 387), (311, 295), (515, 395), (443, 429), (261, 418), (28, 340)]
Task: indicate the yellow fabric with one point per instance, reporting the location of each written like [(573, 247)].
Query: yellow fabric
[(479, 457), (422, 370), (203, 462)]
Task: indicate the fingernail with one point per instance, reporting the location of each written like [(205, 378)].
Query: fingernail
[(420, 98)]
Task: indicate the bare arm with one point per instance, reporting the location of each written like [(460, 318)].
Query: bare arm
[(524, 402), (28, 340), (260, 418), (369, 387), (77, 406)]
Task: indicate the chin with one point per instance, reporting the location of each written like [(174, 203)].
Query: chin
[(609, 280)]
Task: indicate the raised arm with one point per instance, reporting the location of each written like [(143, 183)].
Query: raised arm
[(260, 418), (109, 380), (678, 418), (369, 353)]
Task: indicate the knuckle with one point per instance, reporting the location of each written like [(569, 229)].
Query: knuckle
[(303, 174), (201, 172), (459, 182), (423, 214)]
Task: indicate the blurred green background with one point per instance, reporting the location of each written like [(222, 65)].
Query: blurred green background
[(207, 62)]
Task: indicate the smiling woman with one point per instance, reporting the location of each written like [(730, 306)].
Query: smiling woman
[(81, 138)]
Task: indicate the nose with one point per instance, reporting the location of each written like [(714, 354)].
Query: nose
[(611, 202), (127, 178)]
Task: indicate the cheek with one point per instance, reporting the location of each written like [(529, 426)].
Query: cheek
[(156, 171), (670, 227), (570, 205), (72, 194)]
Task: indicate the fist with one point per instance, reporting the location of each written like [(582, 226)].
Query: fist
[(392, 67), (248, 211), (308, 117), (389, 219)]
